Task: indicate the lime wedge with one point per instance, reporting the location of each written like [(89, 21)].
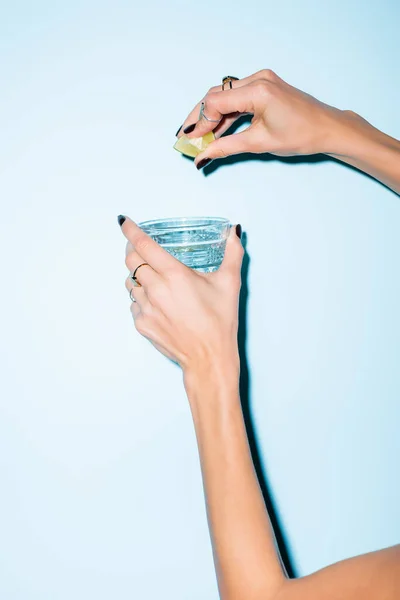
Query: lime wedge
[(193, 146)]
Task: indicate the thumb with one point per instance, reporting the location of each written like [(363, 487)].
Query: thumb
[(234, 252), (227, 146)]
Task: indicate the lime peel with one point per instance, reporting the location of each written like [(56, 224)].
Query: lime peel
[(193, 146)]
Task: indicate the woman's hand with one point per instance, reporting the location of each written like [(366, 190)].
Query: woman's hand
[(288, 122), (285, 120), (190, 317)]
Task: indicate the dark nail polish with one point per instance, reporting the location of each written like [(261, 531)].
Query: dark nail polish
[(176, 135), (239, 231), (189, 128), (203, 163), (121, 220)]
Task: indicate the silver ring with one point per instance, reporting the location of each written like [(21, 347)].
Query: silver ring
[(202, 114), (130, 295)]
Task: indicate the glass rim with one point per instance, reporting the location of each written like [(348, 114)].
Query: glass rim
[(185, 222)]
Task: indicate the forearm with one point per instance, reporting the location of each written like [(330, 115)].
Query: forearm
[(356, 142), (245, 555)]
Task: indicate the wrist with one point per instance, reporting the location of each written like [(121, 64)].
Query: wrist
[(212, 380), (344, 132), (352, 137), (361, 145), (212, 374)]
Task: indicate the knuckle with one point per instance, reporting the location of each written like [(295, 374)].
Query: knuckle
[(237, 283), (268, 74), (262, 88), (241, 250), (236, 279), (147, 310), (221, 153), (142, 243), (156, 293), (210, 99), (177, 275), (218, 152), (128, 261), (141, 324)]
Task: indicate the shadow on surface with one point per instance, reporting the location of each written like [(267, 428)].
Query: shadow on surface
[(289, 160), (270, 158), (245, 395)]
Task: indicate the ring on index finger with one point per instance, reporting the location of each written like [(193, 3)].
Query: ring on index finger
[(202, 114)]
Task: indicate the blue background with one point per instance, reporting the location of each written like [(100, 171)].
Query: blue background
[(101, 493)]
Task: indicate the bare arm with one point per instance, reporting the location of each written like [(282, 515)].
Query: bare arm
[(246, 559), (361, 145), (193, 319), (373, 576)]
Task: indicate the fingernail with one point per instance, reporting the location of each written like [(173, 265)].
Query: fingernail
[(176, 135), (121, 220), (239, 231), (189, 128), (203, 163)]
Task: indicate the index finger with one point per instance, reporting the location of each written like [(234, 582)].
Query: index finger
[(193, 116), (218, 104), (158, 258)]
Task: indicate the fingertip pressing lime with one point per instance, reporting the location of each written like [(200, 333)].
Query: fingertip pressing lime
[(193, 146)]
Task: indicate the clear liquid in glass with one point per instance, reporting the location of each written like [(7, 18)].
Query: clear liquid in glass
[(198, 242)]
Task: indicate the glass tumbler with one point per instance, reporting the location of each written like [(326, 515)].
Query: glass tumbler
[(198, 242)]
